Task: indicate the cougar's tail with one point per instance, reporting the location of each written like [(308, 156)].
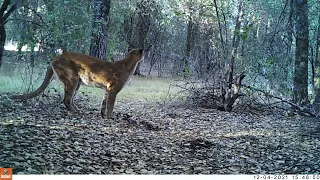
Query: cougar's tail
[(43, 86)]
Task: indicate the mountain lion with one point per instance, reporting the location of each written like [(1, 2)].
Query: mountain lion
[(75, 68)]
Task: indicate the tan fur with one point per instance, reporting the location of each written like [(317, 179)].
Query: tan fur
[(74, 68)]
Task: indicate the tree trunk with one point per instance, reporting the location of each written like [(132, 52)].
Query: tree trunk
[(128, 30), (143, 25), (235, 42), (316, 79), (23, 26), (290, 28), (4, 14), (51, 45), (300, 79), (229, 93), (224, 53), (189, 46), (98, 47), (2, 39)]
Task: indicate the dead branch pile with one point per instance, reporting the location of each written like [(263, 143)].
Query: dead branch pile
[(225, 96)]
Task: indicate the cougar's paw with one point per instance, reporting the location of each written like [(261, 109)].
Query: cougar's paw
[(107, 115), (110, 117), (103, 115)]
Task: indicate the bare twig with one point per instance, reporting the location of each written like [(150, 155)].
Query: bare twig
[(154, 41)]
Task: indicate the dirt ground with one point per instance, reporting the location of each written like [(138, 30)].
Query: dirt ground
[(39, 136)]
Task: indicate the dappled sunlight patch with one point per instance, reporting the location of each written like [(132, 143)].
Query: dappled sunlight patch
[(250, 133), (6, 122)]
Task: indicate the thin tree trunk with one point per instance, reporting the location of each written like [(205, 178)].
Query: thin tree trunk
[(22, 38), (316, 79), (220, 29), (2, 39), (189, 46), (290, 27), (143, 25), (98, 47), (50, 8), (235, 41), (228, 94), (4, 14), (128, 30), (300, 79)]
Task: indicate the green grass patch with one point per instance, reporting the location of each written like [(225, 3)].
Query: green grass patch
[(19, 79), (139, 88)]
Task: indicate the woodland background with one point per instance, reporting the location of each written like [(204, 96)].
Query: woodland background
[(275, 42), (228, 86)]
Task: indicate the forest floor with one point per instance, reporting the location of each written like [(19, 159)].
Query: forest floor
[(39, 136)]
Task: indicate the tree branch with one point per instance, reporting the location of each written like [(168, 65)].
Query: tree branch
[(278, 23), (12, 8), (302, 109), (4, 7), (220, 29), (36, 13)]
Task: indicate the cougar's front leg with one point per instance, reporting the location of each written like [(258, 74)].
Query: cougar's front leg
[(108, 103), (104, 105)]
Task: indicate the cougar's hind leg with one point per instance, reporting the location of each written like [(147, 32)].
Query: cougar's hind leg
[(78, 86), (70, 79), (70, 86)]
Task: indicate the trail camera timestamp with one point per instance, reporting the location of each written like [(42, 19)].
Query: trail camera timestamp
[(289, 177)]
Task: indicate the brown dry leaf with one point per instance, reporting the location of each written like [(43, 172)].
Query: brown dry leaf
[(34, 140)]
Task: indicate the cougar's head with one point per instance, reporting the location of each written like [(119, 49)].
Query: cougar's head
[(137, 54)]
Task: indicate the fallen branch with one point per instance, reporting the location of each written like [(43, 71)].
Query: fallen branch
[(307, 111)]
